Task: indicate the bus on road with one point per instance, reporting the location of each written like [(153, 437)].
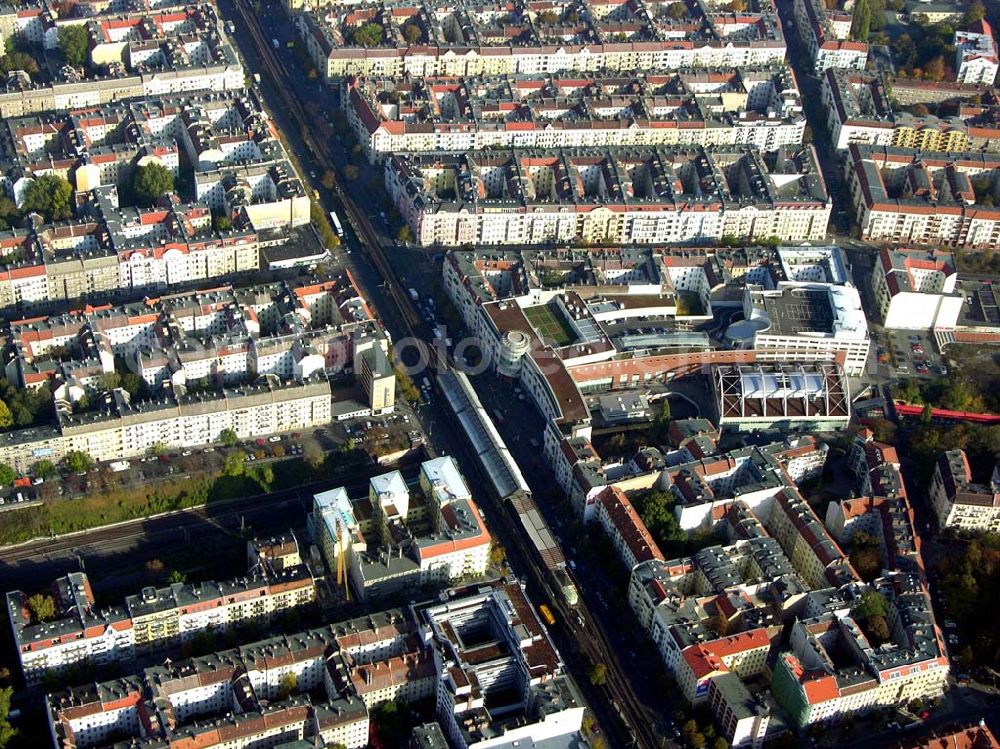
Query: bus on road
[(337, 226)]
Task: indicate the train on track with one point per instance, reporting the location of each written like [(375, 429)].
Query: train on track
[(507, 482)]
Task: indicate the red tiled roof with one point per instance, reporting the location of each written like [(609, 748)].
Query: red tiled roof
[(629, 525)]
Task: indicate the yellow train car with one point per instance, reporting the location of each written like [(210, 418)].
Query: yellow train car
[(547, 615)]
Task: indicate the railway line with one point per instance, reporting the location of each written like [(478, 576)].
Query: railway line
[(578, 624)]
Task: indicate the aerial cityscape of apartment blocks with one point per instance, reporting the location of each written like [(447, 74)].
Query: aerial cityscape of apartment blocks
[(268, 349), (432, 650), (782, 564), (152, 620), (904, 197), (861, 110), (135, 53), (358, 352), (434, 534)]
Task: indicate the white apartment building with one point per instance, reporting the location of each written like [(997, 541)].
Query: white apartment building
[(804, 320), (906, 197), (547, 708), (976, 59), (81, 635), (734, 46), (960, 503), (513, 197), (154, 619), (457, 546), (175, 423), (741, 107), (915, 289), (826, 35)]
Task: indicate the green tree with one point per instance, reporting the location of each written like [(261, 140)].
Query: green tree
[(866, 555), (154, 568), (77, 461), (322, 226), (690, 729), (412, 33), (288, 685), (369, 35), (17, 60), (406, 386), (228, 437), (131, 383), (884, 430), (235, 464), (877, 629), (7, 475), (351, 172), (656, 509), (74, 41), (959, 395), (49, 195), (176, 576), (934, 69), (405, 233), (43, 469), (42, 607), (598, 674), (151, 181), (392, 723), (861, 23), (8, 213), (720, 743), (312, 456), (7, 732), (221, 222), (677, 11), (6, 417), (975, 12), (264, 476), (871, 603), (927, 415), (661, 424)]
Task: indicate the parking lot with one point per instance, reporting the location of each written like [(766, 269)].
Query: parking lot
[(916, 353)]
